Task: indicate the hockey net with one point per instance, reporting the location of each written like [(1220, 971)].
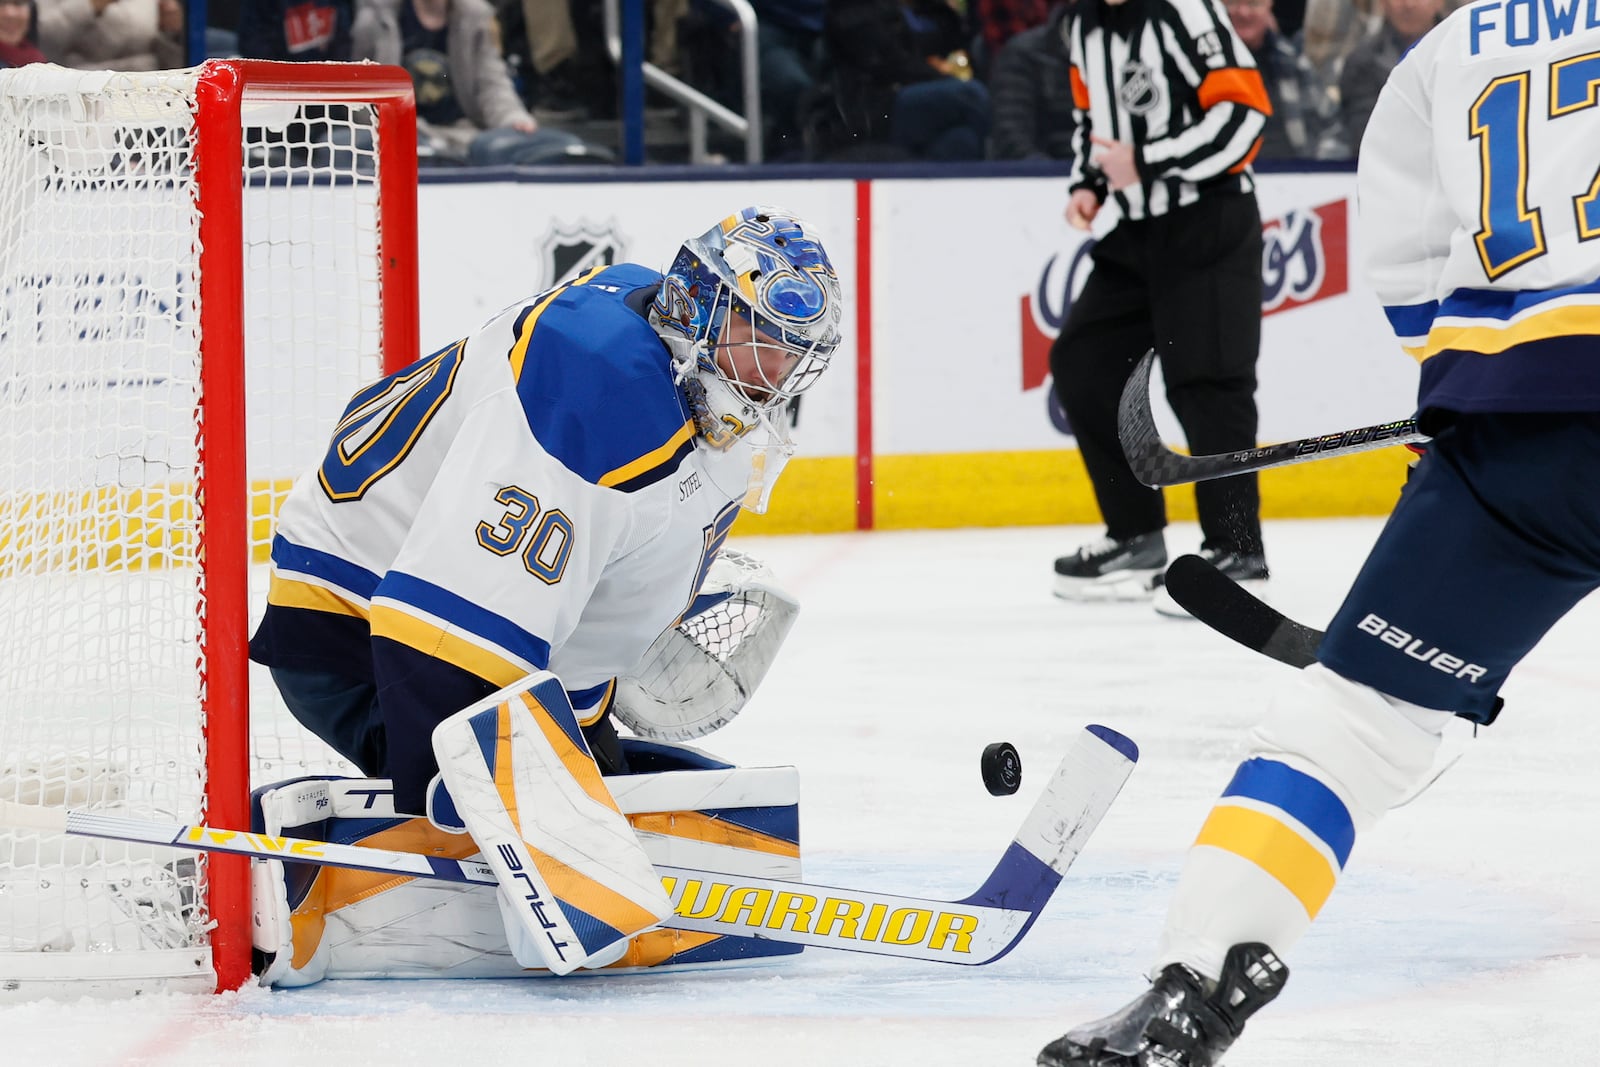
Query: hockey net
[(197, 268)]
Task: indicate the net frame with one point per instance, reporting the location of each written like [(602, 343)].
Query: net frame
[(222, 503)]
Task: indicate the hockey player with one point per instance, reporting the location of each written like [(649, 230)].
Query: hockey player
[(501, 529), (1478, 218)]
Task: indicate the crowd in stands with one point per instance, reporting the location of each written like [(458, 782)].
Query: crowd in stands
[(531, 81)]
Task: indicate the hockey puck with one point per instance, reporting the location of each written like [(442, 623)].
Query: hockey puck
[(1002, 769)]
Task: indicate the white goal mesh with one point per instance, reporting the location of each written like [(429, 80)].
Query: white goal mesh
[(119, 368)]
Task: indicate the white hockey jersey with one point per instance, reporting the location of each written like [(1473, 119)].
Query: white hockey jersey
[(530, 497), (1479, 183)]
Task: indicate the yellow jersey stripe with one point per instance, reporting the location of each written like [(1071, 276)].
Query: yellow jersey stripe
[(1492, 340), (288, 593), (654, 458), (433, 640), (1275, 848)]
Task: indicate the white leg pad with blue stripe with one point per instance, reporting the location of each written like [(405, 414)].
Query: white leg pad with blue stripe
[(574, 881)]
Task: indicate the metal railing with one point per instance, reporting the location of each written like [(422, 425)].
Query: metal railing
[(701, 107)]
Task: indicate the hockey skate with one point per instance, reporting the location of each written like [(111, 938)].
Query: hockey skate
[(1181, 1021), (1109, 569)]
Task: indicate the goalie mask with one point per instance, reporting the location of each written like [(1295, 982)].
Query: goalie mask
[(751, 312)]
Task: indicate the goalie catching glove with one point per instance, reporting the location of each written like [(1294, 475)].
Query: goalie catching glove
[(574, 883), (700, 673)]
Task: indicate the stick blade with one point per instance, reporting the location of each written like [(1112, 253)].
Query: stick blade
[(1080, 792), (1219, 602), (1086, 782)]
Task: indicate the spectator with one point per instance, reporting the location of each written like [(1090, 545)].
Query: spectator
[(1331, 31), (789, 50), (1367, 68), (467, 108), (1288, 17), (1032, 94), (301, 30), (17, 31), (552, 42), (889, 94), (222, 28), (112, 34), (998, 21), (1304, 123), (790, 41)]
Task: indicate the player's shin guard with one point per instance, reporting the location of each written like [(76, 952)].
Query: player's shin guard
[(1328, 760), (574, 881)]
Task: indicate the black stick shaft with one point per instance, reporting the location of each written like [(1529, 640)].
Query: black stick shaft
[(1157, 466)]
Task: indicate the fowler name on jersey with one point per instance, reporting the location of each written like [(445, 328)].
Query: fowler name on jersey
[(1520, 23)]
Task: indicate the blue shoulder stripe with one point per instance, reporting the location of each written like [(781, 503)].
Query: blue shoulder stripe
[(298, 559), (596, 382)]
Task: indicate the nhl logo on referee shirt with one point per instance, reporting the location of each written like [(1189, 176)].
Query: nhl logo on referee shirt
[(569, 249), (1136, 88)]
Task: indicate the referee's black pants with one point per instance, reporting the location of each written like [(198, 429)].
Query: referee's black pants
[(1187, 284)]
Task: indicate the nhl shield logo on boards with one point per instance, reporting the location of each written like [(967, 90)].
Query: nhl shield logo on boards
[(1136, 88), (570, 249)]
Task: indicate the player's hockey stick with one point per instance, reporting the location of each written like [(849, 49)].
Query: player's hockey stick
[(1236, 613), (1156, 465), (978, 928)]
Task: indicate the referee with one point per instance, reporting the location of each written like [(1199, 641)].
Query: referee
[(1170, 108)]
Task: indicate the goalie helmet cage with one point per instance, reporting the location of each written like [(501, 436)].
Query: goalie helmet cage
[(197, 269)]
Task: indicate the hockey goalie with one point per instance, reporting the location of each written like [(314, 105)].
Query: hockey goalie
[(683, 806), (508, 544)]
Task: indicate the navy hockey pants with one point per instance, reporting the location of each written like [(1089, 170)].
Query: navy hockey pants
[(342, 711), (1496, 536)]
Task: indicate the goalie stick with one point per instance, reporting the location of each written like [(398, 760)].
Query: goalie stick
[(1157, 466), (1237, 614), (976, 929)]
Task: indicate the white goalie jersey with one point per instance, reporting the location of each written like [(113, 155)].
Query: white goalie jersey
[(1480, 204), (529, 498)]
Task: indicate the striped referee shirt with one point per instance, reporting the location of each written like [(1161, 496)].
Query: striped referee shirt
[(1172, 78)]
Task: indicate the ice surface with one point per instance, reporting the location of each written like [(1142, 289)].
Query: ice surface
[(1464, 932)]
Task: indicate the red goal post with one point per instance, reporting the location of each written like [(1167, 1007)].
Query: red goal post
[(197, 268)]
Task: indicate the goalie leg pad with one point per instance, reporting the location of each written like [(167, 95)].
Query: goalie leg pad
[(1330, 757), (574, 881), (688, 809), (313, 922)]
